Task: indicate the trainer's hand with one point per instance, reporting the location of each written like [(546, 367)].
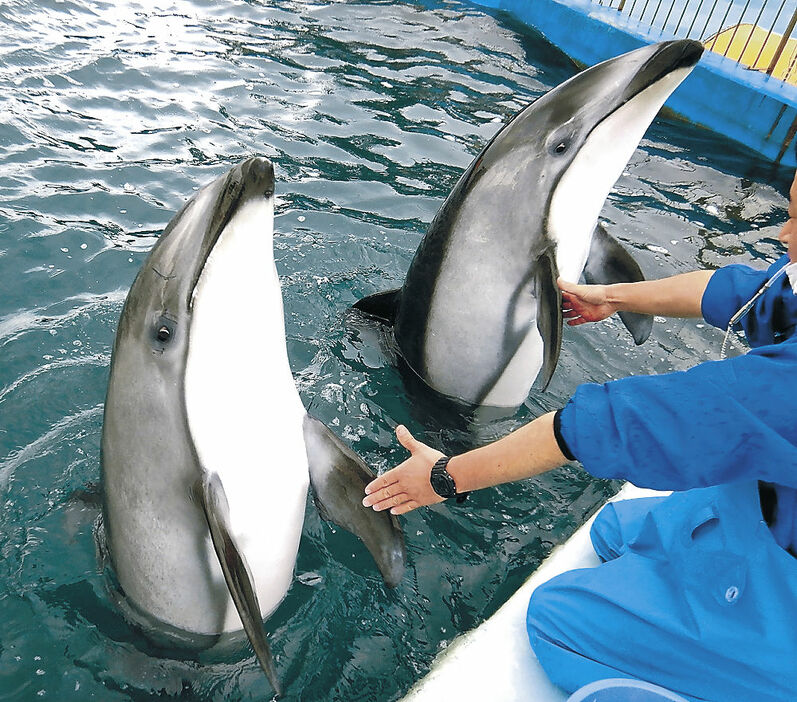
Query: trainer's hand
[(584, 303), (407, 486)]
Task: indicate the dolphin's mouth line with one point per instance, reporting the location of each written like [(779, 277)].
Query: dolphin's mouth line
[(651, 85), (686, 61), (211, 241), (253, 179)]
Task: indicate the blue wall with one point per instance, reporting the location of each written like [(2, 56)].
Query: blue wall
[(746, 106)]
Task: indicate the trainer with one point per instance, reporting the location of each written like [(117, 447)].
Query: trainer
[(697, 591)]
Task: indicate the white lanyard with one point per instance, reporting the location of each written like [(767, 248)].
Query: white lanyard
[(790, 269)]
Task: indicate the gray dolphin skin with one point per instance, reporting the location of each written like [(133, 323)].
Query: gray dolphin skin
[(479, 313), (206, 453)]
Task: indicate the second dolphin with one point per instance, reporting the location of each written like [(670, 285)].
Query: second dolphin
[(479, 314)]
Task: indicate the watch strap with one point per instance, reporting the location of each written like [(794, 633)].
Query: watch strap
[(441, 464)]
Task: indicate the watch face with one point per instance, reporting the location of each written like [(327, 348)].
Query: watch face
[(442, 483)]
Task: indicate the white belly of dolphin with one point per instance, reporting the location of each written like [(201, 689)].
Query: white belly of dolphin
[(577, 201), (243, 410)]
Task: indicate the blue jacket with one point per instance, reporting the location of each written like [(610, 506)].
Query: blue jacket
[(719, 422)]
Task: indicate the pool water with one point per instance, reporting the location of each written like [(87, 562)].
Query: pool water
[(113, 114)]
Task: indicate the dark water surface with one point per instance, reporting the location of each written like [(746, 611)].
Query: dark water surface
[(113, 113)]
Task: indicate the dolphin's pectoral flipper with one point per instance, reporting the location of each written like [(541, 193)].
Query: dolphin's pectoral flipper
[(549, 312), (338, 478), (236, 573), (609, 263), (383, 306)]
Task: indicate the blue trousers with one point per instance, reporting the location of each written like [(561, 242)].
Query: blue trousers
[(693, 594)]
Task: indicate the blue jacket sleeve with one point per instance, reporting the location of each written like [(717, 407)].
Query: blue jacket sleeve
[(718, 422), (772, 318)]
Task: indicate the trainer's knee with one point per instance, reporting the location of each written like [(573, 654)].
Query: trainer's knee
[(618, 524), (606, 533)]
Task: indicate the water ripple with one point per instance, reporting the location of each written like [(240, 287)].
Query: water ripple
[(45, 444)]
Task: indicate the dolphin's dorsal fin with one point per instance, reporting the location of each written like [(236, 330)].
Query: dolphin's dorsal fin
[(608, 263), (549, 312), (383, 306), (338, 478), (236, 572)]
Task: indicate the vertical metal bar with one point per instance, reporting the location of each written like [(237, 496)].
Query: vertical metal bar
[(644, 10), (722, 24), (686, 6), (787, 141), (655, 14), (697, 12), (621, 7), (750, 36), (708, 19), (631, 11), (769, 34), (736, 28), (667, 18), (792, 64), (783, 42)]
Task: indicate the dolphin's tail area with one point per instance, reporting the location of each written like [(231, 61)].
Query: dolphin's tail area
[(609, 263), (236, 573), (382, 306), (338, 478)]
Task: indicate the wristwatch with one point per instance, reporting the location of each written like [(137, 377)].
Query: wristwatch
[(442, 482)]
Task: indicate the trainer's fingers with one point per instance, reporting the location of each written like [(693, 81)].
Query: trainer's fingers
[(567, 287), (407, 440), (391, 502), (563, 284), (382, 494), (406, 507), (381, 482), (567, 298)]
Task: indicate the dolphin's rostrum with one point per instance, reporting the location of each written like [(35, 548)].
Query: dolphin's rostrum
[(479, 314)]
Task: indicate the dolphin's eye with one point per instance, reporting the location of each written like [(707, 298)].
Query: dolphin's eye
[(163, 331), (561, 147)]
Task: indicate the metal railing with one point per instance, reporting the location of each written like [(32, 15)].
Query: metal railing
[(758, 34)]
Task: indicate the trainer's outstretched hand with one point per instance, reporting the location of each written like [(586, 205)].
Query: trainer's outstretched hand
[(407, 486), (585, 303)]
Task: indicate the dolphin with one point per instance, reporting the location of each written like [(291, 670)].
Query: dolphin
[(207, 450), (479, 313)]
